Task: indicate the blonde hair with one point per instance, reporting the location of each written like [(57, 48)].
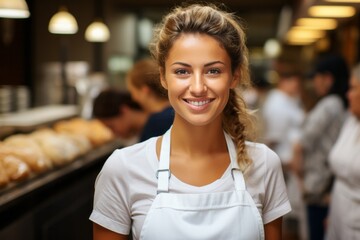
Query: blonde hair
[(227, 29)]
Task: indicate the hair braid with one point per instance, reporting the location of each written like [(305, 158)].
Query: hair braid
[(237, 122)]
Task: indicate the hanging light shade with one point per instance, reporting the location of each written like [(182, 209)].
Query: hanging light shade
[(63, 23), (14, 9), (97, 31)]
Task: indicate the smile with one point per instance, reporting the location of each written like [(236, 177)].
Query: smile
[(198, 103)]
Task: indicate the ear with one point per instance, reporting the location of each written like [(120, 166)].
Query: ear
[(162, 78), (236, 79)]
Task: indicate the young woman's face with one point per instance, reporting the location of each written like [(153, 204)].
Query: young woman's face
[(198, 78), (354, 96)]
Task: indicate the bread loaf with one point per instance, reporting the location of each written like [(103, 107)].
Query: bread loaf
[(58, 148), (26, 149), (4, 179), (94, 130), (15, 168)]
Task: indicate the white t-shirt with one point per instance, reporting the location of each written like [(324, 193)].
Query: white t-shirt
[(126, 186), (344, 217), (283, 117)]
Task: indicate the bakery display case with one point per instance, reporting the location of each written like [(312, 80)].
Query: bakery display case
[(47, 174)]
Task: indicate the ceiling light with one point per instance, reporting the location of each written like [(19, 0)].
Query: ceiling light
[(332, 11), (300, 41), (97, 32), (317, 23), (344, 1), (63, 23), (14, 9), (299, 33)]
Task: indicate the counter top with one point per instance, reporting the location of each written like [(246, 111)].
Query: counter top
[(36, 117)]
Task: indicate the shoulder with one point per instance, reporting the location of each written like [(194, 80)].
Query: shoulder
[(265, 164), (331, 102), (273, 97), (265, 182), (262, 155)]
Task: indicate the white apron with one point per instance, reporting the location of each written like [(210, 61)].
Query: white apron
[(209, 216)]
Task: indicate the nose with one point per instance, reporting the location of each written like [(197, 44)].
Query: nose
[(197, 85)]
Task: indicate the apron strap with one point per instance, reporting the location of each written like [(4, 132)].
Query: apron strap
[(235, 170), (163, 173)]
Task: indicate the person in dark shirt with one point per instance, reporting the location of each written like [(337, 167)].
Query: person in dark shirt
[(120, 113)]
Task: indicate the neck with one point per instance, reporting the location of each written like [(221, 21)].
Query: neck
[(197, 140)]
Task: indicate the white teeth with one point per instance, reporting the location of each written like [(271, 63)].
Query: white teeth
[(199, 103)]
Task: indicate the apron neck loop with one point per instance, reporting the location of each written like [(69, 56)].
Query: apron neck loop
[(236, 173), (163, 173)]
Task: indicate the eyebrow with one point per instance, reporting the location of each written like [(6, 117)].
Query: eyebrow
[(206, 65)]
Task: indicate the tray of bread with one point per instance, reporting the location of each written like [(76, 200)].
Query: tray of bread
[(28, 155)]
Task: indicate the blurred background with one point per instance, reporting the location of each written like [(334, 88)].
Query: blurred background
[(57, 56), (31, 56)]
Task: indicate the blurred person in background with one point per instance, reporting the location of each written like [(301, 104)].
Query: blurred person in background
[(344, 212), (319, 133), (124, 116), (256, 94), (143, 82), (283, 115)]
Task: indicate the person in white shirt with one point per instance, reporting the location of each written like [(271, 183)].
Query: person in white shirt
[(320, 130), (202, 179), (344, 213), (283, 116)]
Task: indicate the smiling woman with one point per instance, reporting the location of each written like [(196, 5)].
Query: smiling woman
[(201, 179)]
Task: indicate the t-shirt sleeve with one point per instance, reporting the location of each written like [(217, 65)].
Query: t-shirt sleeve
[(276, 202), (110, 208)]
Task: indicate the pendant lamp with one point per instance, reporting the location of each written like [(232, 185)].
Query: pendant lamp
[(14, 9), (63, 22), (97, 31)]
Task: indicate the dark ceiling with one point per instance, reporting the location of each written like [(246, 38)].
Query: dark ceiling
[(261, 17)]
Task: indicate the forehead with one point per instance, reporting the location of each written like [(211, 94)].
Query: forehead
[(196, 43)]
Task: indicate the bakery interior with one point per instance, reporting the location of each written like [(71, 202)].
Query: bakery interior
[(51, 148)]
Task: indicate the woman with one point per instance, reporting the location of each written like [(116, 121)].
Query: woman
[(143, 82), (344, 214), (201, 180), (319, 133)]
